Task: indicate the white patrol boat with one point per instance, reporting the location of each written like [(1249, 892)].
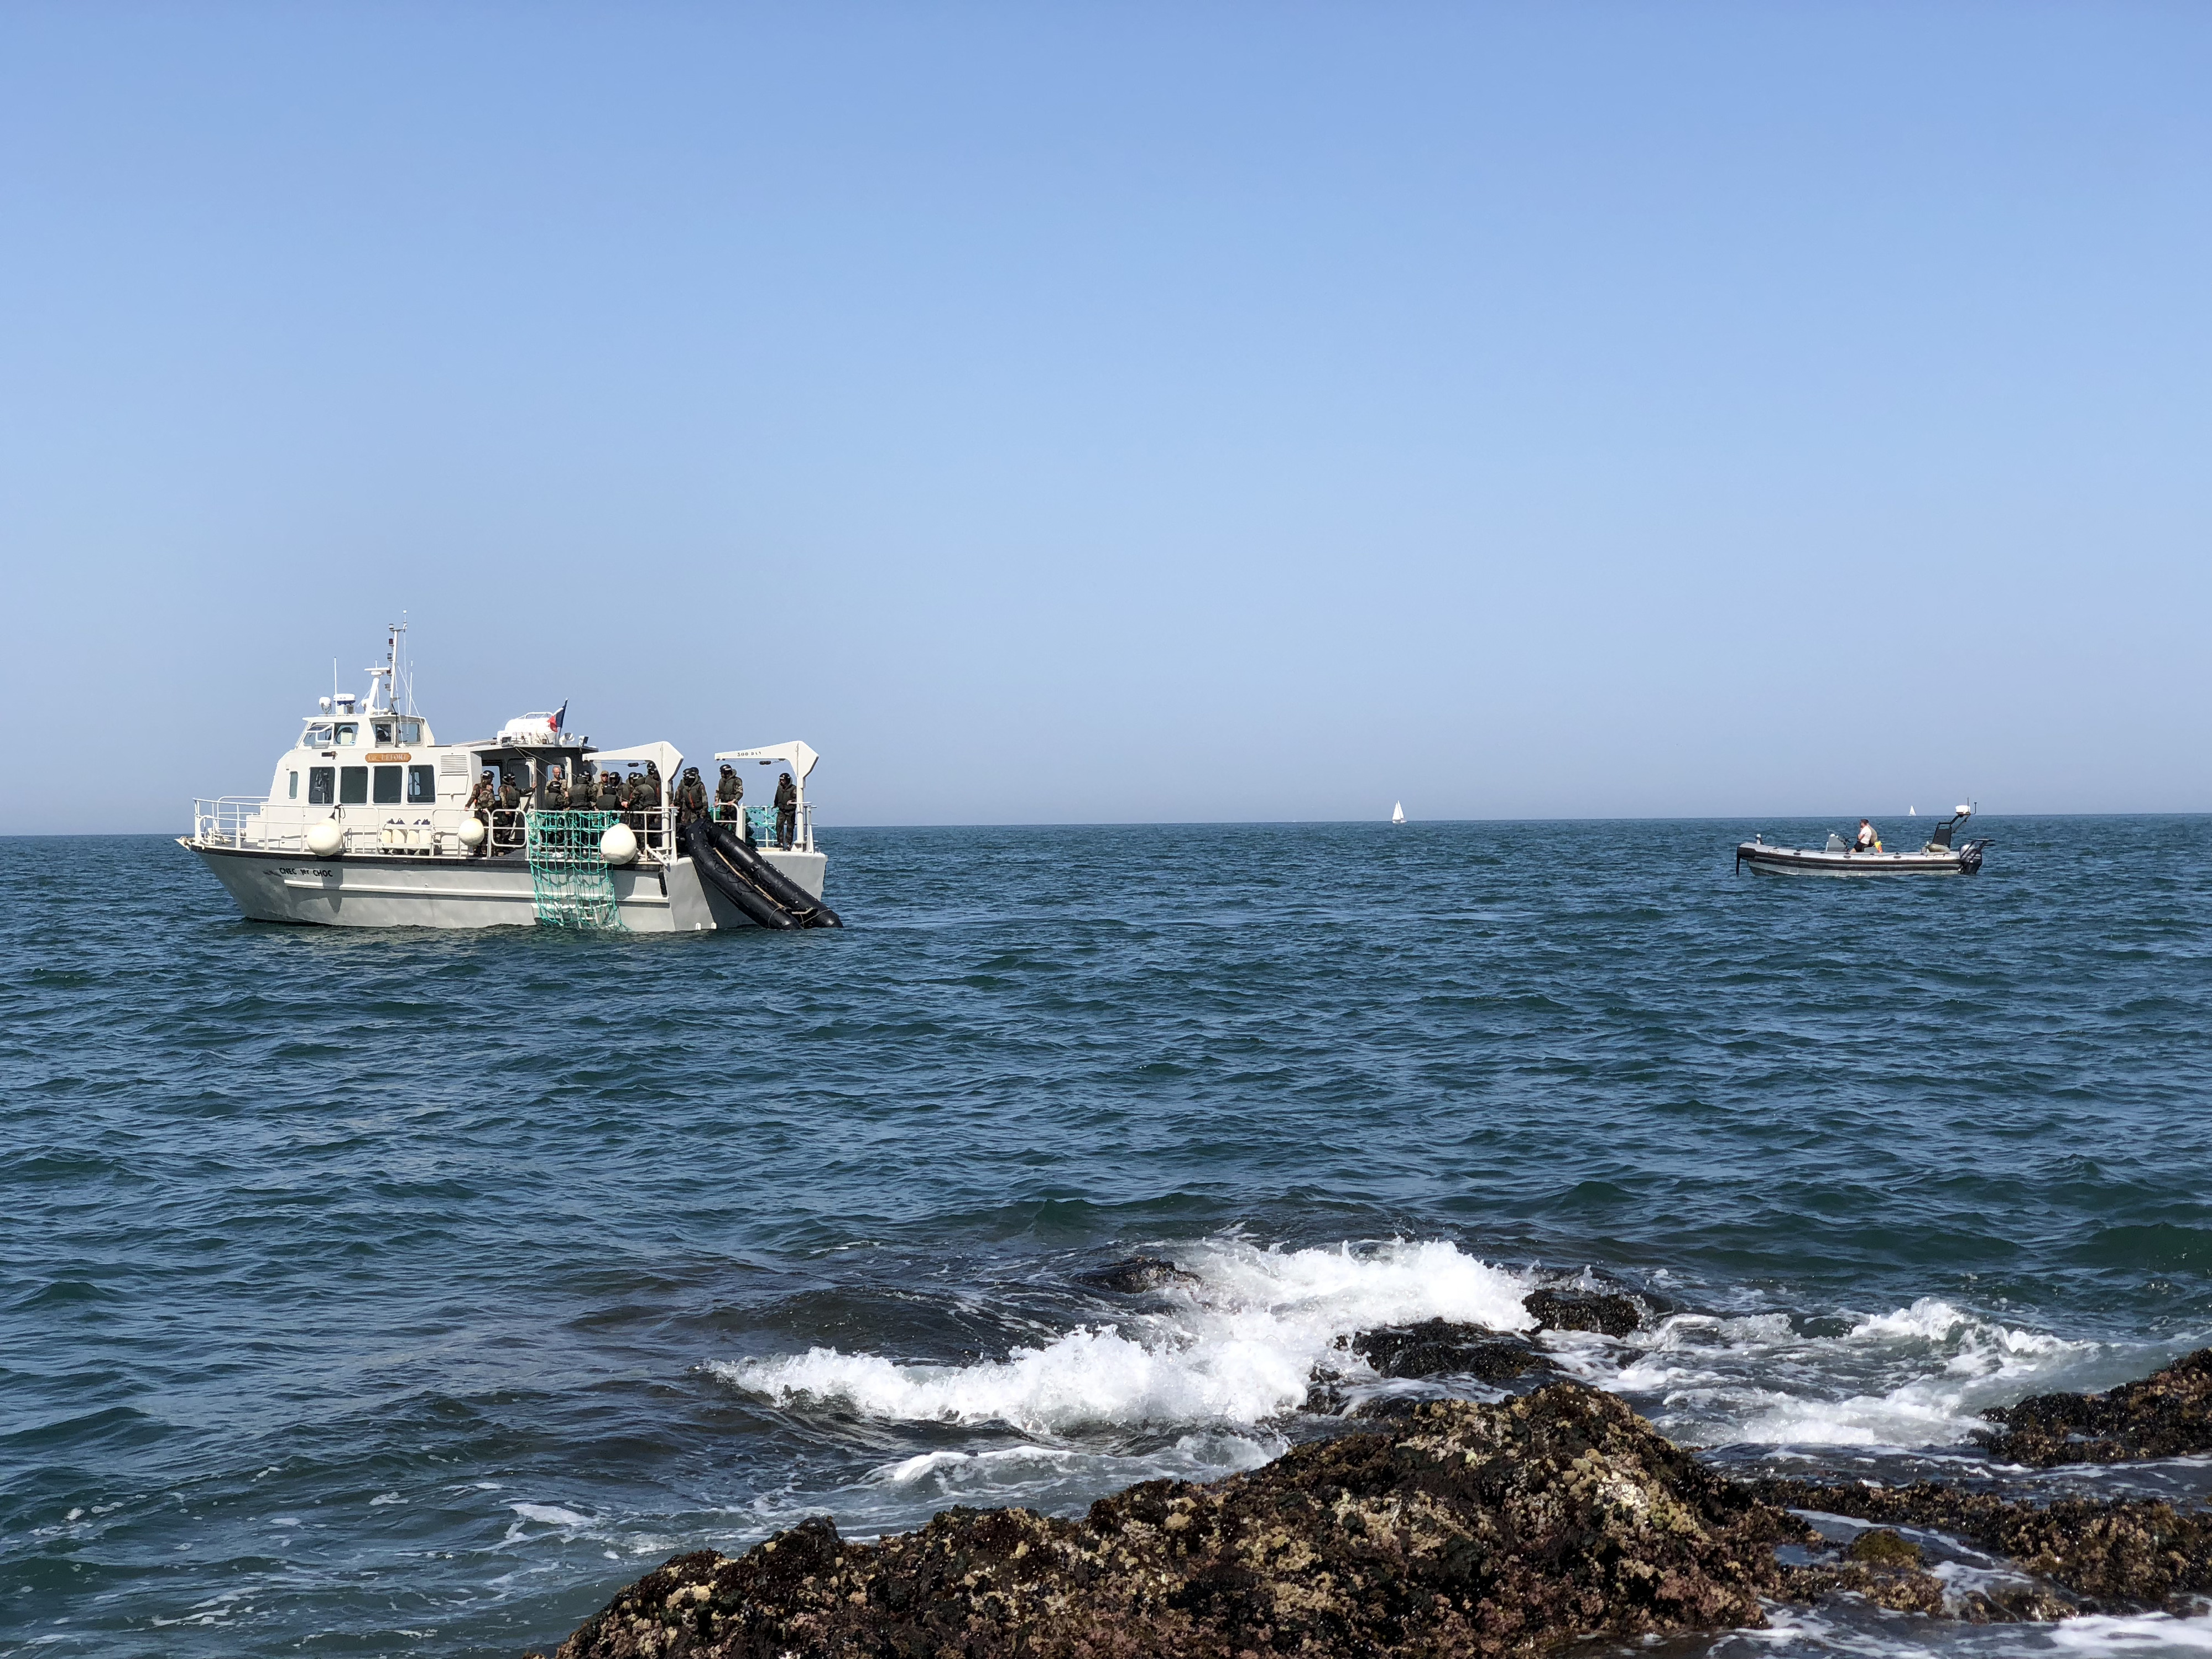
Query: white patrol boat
[(1839, 858), (369, 823)]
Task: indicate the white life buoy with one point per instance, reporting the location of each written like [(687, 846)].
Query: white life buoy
[(618, 845)]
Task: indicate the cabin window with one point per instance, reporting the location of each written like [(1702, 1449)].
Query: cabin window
[(348, 734), (293, 793), (387, 785), (318, 737), (422, 785), (353, 786), (383, 729), (410, 732), (322, 784)]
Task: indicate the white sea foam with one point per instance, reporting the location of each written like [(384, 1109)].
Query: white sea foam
[(1917, 1376), (1052, 1476), (2146, 1633), (551, 1515), (1238, 1349), (571, 1525)]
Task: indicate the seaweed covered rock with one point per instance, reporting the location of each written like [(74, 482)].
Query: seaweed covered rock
[(2131, 1553), (1463, 1530), (1900, 1588), (1133, 1275), (1880, 1564), (1884, 1547), (1604, 1311), (2166, 1414), (1437, 1348)]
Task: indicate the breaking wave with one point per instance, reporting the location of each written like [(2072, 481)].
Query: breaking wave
[(1240, 1347), (1917, 1376), (1237, 1348)]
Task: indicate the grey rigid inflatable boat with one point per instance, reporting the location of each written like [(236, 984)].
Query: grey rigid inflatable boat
[(1838, 858)]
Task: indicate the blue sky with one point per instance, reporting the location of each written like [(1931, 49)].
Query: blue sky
[(1127, 413)]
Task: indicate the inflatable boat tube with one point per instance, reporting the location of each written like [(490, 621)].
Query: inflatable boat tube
[(811, 911), (758, 908)]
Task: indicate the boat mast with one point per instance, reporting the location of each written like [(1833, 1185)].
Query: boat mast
[(387, 673)]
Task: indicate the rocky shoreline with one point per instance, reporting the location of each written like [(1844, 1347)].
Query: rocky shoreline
[(1450, 1527)]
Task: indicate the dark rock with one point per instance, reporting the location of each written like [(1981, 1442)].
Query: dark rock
[(2167, 1414), (1583, 1311), (1462, 1529), (1133, 1275), (1384, 1408), (2135, 1552), (1437, 1347), (1902, 1588), (1883, 1547), (2010, 1604)]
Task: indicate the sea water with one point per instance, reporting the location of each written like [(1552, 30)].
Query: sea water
[(409, 1292)]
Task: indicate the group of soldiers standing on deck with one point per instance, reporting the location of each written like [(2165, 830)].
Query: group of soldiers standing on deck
[(498, 801)]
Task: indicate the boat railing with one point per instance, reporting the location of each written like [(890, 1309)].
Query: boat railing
[(231, 821), (654, 828), (245, 822), (762, 821)]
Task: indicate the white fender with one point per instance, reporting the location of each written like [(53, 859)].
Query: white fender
[(472, 832), (618, 845), (326, 839)]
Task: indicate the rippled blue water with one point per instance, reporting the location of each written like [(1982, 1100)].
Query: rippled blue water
[(409, 1292)]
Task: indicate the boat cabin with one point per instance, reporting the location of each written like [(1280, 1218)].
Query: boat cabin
[(370, 775)]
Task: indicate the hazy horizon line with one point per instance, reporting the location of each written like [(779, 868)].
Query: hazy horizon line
[(1298, 823)]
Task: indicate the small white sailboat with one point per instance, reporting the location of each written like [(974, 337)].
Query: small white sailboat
[(1398, 813)]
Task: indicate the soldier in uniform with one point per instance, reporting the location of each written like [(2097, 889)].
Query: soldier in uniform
[(727, 793), (507, 819), (655, 794), (786, 811), (609, 798), (482, 799), (690, 798), (556, 792)]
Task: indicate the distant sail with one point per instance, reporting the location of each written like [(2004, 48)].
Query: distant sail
[(1398, 813)]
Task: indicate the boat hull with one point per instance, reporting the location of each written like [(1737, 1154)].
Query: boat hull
[(399, 892), (1811, 861)]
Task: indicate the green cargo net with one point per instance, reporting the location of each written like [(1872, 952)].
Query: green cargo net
[(569, 881)]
